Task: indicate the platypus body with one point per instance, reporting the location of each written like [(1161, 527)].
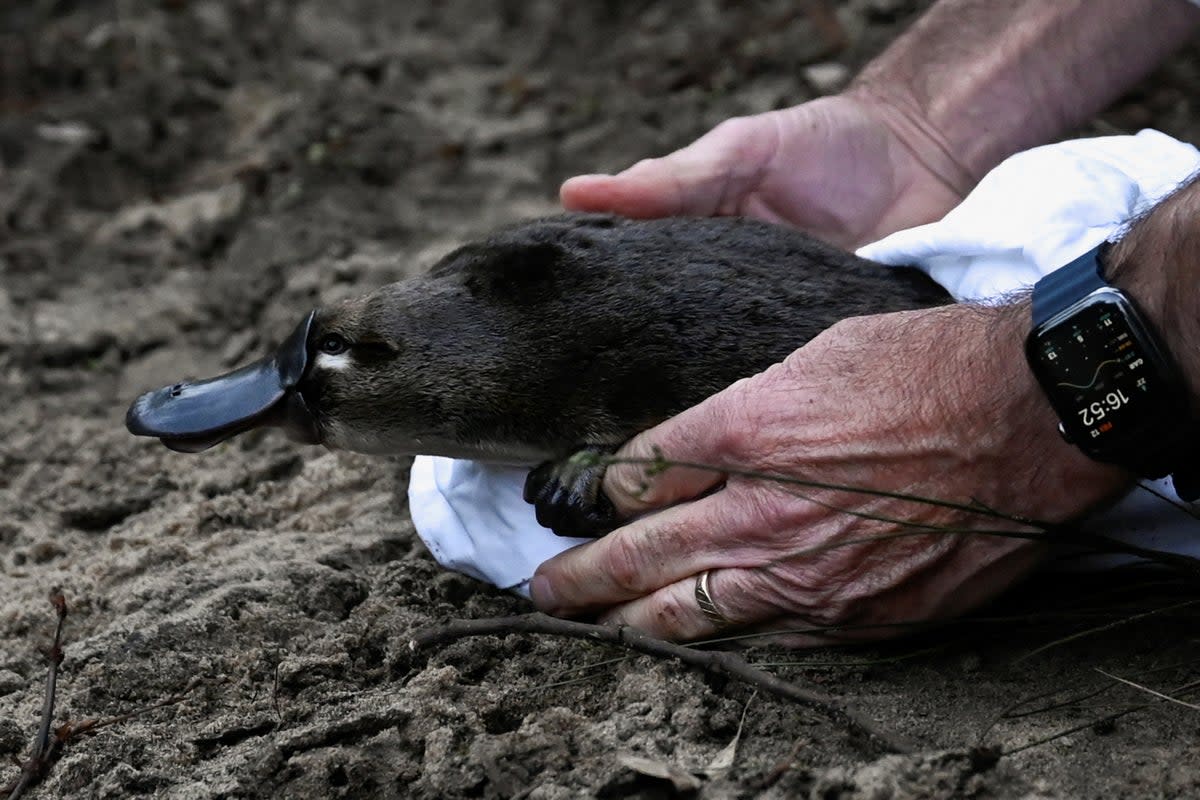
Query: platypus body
[(546, 337)]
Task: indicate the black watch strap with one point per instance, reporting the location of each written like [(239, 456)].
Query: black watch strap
[(1065, 285)]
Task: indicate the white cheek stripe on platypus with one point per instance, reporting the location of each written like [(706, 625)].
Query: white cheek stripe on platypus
[(339, 362)]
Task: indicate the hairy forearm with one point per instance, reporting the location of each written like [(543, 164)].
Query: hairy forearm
[(1158, 263), (974, 81)]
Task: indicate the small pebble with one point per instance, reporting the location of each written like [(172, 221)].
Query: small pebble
[(10, 682), (13, 738)]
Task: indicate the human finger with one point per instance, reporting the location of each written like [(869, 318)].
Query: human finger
[(658, 187), (643, 477), (653, 551), (676, 611), (707, 178), (648, 480)]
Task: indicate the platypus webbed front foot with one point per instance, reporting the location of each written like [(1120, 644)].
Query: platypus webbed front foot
[(566, 494)]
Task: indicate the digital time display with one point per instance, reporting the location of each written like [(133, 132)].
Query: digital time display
[(1102, 375)]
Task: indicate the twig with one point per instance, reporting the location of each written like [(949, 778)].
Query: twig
[(69, 730), (716, 661), (38, 763), (48, 744)]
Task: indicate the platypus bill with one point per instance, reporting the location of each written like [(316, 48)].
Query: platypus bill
[(561, 334)]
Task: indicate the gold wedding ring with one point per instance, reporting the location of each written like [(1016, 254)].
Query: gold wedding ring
[(707, 607)]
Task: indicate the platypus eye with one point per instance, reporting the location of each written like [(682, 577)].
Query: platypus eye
[(333, 344)]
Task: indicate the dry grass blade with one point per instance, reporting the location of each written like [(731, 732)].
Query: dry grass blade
[(1061, 533), (595, 668), (661, 463), (1148, 690), (1102, 628), (870, 662), (683, 781), (723, 761), (1010, 711), (1090, 723)]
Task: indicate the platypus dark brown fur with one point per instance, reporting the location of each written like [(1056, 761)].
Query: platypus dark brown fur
[(545, 337)]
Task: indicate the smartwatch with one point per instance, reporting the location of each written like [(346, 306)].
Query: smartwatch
[(1118, 394)]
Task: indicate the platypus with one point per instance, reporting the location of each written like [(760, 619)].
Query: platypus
[(547, 337)]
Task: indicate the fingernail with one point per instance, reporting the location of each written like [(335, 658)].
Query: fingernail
[(592, 176), (542, 594)]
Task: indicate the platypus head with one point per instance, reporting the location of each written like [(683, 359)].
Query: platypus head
[(335, 380)]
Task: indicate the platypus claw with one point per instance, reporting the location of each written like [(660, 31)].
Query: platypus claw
[(566, 495)]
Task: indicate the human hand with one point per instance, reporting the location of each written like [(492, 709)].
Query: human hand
[(937, 403), (849, 169)]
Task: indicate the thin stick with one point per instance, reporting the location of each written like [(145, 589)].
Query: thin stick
[(56, 658), (48, 745), (72, 729), (39, 759), (716, 661)]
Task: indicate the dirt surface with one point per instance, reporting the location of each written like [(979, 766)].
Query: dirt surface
[(180, 181)]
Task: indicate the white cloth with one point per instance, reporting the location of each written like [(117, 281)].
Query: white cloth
[(473, 518), (1033, 213)]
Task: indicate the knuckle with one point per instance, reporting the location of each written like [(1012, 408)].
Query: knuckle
[(733, 129), (640, 165), (625, 564), (831, 607), (759, 512), (626, 486), (673, 618), (631, 486), (794, 365), (735, 422)]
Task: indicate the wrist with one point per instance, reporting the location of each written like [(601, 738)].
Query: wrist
[(985, 80), (920, 149), (1157, 263), (1015, 418)]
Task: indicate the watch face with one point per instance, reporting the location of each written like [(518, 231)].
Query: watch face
[(1103, 374)]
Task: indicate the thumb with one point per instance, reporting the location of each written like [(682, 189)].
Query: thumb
[(649, 189), (649, 480), (704, 179)]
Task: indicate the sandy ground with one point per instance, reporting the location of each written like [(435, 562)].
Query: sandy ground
[(180, 181)]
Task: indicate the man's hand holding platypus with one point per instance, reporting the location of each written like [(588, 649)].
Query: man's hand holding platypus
[(844, 169), (937, 403), (917, 402)]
